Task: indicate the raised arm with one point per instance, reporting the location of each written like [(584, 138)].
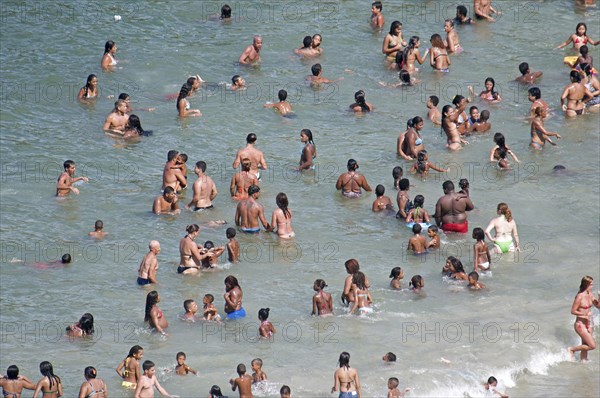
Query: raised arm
[(566, 43)]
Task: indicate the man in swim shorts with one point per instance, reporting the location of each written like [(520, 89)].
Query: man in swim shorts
[(149, 265), (257, 158), (450, 210), (204, 189), (249, 212), (251, 54)]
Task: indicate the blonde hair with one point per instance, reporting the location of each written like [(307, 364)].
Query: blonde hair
[(505, 211)]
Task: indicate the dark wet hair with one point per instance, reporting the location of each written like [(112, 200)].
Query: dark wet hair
[(263, 314), (577, 28), (108, 46), (88, 83), (251, 138), (282, 95), (584, 50), (404, 77), (523, 68), (232, 281), (215, 391), (500, 140), (235, 79), (172, 154), (66, 258), (474, 275), (225, 11), (397, 172), (12, 373), (463, 183), (448, 185), (187, 303), (151, 300), (98, 224), (484, 115), (377, 5), (473, 108), (286, 389), (502, 152), (559, 167), (168, 190), (416, 228), (391, 357), (320, 283), (352, 165), (210, 297), (134, 350), (359, 279), (575, 76), (433, 228), (434, 100), (344, 360), (282, 202), (359, 97), (124, 96), (209, 244), (241, 368), (316, 69), (309, 135), (478, 234), (147, 365), (68, 163), (457, 99), (535, 92), (451, 22), (416, 281), (183, 93), (394, 26), (201, 165), (180, 354), (396, 271), (457, 264), (421, 162), (252, 189), (133, 123), (494, 92), (379, 190), (418, 201), (230, 233), (307, 41), (90, 372), (461, 10), (47, 371), (86, 323), (404, 184)]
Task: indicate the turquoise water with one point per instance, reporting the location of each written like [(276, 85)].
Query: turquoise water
[(516, 330)]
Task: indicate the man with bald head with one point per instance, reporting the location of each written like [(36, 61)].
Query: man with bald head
[(149, 265), (251, 54)]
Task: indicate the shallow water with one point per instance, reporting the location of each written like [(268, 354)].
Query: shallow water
[(448, 340)]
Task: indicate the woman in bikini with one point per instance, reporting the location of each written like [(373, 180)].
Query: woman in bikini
[(392, 43), (345, 379), (438, 56), (183, 105), (153, 314), (282, 217), (90, 90), (361, 105), (266, 329), (129, 368), (413, 142), (12, 384), (352, 267), (362, 297), (411, 54), (574, 93), (308, 152), (449, 118), (92, 387), (592, 84), (190, 258), (579, 38), (49, 385), (452, 40), (322, 301), (500, 142), (400, 143), (583, 323), (108, 59), (489, 94), (85, 326), (539, 134), (506, 236), (462, 122), (351, 182)]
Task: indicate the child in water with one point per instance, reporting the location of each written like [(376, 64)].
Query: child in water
[(393, 391), (182, 369), (362, 297), (397, 275), (258, 374), (210, 311), (418, 214), (416, 283), (266, 329), (418, 243), (435, 241), (474, 281), (481, 252), (397, 176), (434, 113), (389, 357), (422, 165), (381, 202), (98, 233), (491, 385), (322, 302), (233, 247)]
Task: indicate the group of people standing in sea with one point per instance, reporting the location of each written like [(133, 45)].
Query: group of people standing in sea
[(581, 95)]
